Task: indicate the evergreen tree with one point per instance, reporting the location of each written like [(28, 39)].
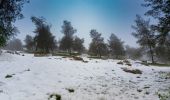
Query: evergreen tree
[(116, 47), (97, 46), (10, 11), (44, 40), (160, 9), (66, 42), (145, 35), (29, 43), (78, 45)]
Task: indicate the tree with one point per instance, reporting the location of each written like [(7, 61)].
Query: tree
[(10, 11), (29, 42), (134, 53), (66, 42), (78, 45), (15, 45), (116, 47), (145, 35), (160, 9), (163, 51), (97, 46), (44, 40)]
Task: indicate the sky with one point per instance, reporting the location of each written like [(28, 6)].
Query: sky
[(106, 16)]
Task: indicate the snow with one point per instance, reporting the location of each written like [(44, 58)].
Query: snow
[(36, 78)]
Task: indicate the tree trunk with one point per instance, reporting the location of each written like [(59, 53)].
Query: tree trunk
[(69, 51), (151, 52)]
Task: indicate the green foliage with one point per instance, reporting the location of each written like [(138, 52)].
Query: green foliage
[(97, 46), (145, 35), (29, 43), (78, 44), (66, 42), (10, 11), (159, 9), (2, 41), (116, 47), (44, 40)]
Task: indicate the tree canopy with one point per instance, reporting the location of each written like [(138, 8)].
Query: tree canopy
[(10, 11)]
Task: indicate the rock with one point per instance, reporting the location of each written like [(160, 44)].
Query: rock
[(70, 90), (146, 87), (139, 90), (54, 96), (147, 92), (8, 76), (120, 62), (134, 71), (138, 77), (126, 61), (77, 58), (136, 97), (85, 61), (129, 64)]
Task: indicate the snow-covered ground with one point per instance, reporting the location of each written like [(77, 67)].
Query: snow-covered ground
[(36, 78)]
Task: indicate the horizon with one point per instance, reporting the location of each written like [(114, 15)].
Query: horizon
[(105, 16)]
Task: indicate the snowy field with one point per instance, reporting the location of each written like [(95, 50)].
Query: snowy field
[(37, 78)]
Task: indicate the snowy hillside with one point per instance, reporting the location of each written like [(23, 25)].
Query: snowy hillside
[(25, 77)]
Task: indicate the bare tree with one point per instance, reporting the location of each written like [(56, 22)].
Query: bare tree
[(15, 45)]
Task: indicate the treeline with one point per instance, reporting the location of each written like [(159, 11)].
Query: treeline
[(154, 39), (44, 41)]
